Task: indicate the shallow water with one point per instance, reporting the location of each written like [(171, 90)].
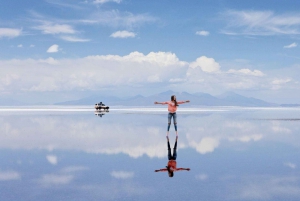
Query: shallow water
[(71, 153)]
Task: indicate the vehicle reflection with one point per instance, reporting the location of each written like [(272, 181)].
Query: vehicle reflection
[(100, 113), (172, 164)]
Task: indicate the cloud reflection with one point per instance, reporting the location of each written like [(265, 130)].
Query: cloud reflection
[(135, 134)]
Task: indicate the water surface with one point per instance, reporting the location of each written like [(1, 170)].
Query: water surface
[(71, 153)]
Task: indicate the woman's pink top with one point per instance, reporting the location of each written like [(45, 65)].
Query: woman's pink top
[(171, 105)]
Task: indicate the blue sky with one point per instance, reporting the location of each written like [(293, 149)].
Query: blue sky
[(61, 50)]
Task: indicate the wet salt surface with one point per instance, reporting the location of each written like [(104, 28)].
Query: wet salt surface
[(69, 153)]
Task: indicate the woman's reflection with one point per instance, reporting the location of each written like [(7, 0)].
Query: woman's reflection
[(171, 166)]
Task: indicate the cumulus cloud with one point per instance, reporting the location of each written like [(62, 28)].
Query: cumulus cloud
[(9, 32), (251, 22), (123, 34), (146, 70), (9, 175), (246, 71), (122, 174), (53, 48), (206, 145), (202, 33), (52, 159), (206, 64), (291, 45)]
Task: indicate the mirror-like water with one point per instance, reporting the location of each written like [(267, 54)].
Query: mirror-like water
[(71, 153)]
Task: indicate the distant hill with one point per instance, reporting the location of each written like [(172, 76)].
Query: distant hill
[(197, 99)]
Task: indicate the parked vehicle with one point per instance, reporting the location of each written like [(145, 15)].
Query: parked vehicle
[(100, 106)]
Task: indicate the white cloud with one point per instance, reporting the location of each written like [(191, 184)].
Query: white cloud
[(31, 46), (206, 64), (202, 177), (246, 138), (51, 28), (74, 169), (266, 188), (281, 81), (10, 33), (9, 175), (123, 34), (246, 71), (118, 19), (202, 33), (122, 174), (52, 159), (20, 45), (146, 70), (53, 48), (105, 1), (206, 145), (291, 45), (290, 165), (74, 39), (55, 179), (261, 23)]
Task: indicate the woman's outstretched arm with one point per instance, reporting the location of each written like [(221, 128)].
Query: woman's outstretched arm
[(163, 103), (181, 102)]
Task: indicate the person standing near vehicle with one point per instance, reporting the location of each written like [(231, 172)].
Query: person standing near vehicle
[(172, 108)]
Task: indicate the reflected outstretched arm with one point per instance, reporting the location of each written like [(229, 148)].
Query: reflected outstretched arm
[(161, 170), (178, 169)]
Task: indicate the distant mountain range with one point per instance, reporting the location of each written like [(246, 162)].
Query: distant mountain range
[(197, 99)]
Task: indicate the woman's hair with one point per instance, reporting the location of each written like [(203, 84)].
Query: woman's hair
[(173, 99), (171, 173)]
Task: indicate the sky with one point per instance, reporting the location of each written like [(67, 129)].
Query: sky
[(55, 50)]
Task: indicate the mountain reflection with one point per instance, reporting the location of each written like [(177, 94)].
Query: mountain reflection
[(172, 164)]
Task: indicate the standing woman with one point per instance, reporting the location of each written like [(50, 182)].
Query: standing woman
[(172, 107)]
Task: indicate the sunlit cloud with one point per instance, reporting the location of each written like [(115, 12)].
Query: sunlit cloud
[(52, 28), (246, 71), (202, 33), (116, 18), (290, 165), (52, 159), (9, 175), (122, 174), (266, 188), (248, 22), (55, 179), (53, 49), (74, 39), (123, 34), (9, 32), (206, 145), (201, 177), (206, 64), (291, 45)]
